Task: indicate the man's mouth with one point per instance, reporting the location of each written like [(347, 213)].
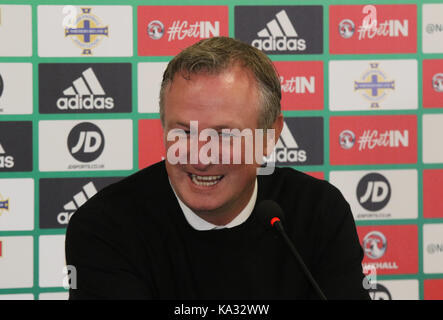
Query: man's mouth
[(205, 181)]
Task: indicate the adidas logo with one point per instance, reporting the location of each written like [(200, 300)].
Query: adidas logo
[(87, 93), (279, 35), (5, 160), (287, 149), (79, 199)]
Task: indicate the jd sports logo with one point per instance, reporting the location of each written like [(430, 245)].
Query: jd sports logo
[(380, 292), (1, 86), (61, 197), (300, 143), (86, 142), (85, 88), (281, 30), (373, 192), (85, 93)]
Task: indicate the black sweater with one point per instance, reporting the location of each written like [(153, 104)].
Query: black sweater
[(132, 241)]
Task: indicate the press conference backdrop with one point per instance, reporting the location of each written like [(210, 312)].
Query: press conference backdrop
[(362, 98)]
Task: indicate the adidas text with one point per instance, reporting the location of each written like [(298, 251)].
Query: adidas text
[(280, 44), (64, 217), (288, 155), (87, 102), (6, 162)]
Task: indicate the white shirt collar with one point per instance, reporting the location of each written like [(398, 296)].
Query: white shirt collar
[(202, 225)]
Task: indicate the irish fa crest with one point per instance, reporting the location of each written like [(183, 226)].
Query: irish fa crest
[(4, 205), (88, 32), (374, 85)]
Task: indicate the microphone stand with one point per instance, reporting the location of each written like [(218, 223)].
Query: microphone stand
[(279, 226)]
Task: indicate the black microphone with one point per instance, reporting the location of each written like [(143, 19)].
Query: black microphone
[(270, 214)]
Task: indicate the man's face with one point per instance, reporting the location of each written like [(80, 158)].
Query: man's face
[(228, 100)]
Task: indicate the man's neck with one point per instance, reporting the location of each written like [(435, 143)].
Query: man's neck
[(222, 217)]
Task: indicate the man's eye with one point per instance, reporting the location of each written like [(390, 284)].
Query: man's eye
[(225, 134), (178, 133), (228, 134)]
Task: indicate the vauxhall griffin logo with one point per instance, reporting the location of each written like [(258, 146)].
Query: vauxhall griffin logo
[(437, 83), (346, 28), (279, 35), (374, 245), (86, 142), (156, 30), (347, 139), (87, 93)]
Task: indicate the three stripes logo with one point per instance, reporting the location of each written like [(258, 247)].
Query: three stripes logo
[(301, 142), (84, 88), (279, 35), (87, 93), (88, 191), (290, 29), (287, 149), (60, 198)]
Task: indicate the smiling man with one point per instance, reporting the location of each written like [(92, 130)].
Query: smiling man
[(230, 100), (188, 229)]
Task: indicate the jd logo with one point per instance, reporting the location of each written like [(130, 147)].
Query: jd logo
[(1, 85), (86, 142), (380, 292), (373, 192)]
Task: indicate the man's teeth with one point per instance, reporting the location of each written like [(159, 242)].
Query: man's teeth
[(205, 180)]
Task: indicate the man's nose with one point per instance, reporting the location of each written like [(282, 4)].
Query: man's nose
[(200, 155)]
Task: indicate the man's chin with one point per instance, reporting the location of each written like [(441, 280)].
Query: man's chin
[(201, 206)]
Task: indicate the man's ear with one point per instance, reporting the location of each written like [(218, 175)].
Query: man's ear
[(278, 126), (164, 134), (271, 139)]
